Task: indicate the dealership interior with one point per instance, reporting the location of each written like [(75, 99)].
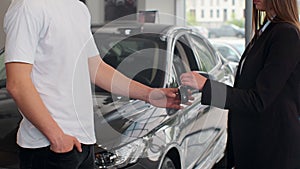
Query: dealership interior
[(131, 133), (152, 42)]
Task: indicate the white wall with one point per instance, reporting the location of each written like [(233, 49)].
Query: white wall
[(180, 12), (96, 8), (3, 8), (169, 11), (165, 8)]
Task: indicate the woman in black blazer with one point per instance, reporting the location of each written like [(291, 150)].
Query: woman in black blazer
[(264, 104)]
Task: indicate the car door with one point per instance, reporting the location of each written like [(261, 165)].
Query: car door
[(196, 138), (206, 60), (210, 122), (9, 121)]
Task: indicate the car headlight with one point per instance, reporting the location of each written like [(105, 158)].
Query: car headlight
[(130, 153), (121, 156)]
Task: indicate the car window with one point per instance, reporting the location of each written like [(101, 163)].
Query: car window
[(228, 53), (2, 69), (115, 49), (2, 66), (203, 54), (178, 65), (173, 81), (240, 47), (180, 61), (139, 58)]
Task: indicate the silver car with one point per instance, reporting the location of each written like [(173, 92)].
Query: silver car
[(133, 134)]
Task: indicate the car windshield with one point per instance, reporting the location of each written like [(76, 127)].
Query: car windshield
[(138, 57)]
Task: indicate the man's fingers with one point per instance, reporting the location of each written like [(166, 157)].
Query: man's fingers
[(188, 103), (171, 92), (77, 145), (167, 92), (176, 107)]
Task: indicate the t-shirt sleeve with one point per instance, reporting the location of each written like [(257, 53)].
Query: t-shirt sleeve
[(91, 47), (22, 28)]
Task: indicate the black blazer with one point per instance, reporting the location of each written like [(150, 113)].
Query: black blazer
[(264, 104)]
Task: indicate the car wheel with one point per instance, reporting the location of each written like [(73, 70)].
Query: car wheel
[(168, 164)]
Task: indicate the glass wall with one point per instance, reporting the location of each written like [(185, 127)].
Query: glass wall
[(221, 21)]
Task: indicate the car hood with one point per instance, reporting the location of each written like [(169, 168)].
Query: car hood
[(120, 120)]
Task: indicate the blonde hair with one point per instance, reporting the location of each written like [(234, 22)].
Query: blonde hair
[(285, 10)]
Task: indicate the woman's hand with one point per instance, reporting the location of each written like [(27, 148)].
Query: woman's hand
[(193, 79)]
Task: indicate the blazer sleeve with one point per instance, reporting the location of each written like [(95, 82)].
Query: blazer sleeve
[(282, 57)]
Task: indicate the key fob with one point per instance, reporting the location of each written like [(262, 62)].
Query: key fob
[(183, 94)]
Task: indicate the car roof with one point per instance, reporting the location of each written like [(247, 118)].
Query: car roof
[(133, 28)]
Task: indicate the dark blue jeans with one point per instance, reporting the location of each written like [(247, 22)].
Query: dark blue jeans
[(44, 158)]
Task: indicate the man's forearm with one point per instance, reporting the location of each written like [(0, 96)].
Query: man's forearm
[(108, 78)]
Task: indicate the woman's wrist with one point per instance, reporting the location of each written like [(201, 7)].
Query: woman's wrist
[(202, 83)]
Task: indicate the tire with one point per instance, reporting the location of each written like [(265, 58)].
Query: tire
[(168, 164)]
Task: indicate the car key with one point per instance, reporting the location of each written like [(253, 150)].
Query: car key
[(183, 93)]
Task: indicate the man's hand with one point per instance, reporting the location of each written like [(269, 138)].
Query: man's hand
[(65, 143), (165, 97)]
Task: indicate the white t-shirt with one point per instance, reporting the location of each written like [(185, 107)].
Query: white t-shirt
[(54, 36)]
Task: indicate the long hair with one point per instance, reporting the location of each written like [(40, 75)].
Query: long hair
[(258, 17), (285, 10)]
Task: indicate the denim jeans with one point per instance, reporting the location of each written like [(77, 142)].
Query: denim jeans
[(44, 158)]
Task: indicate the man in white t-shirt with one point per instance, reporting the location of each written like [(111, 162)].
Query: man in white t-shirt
[(51, 58)]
